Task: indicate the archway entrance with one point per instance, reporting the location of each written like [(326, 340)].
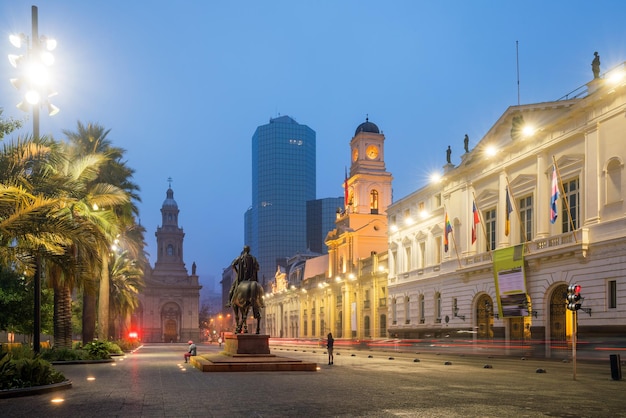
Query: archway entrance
[(558, 318), (484, 317), (170, 322)]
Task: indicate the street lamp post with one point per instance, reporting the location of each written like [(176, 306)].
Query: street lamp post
[(34, 78)]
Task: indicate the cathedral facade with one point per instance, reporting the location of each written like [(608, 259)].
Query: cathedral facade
[(170, 302)]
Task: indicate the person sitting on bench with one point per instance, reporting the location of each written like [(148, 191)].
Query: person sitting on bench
[(191, 352)]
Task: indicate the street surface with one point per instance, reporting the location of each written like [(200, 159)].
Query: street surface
[(154, 382)]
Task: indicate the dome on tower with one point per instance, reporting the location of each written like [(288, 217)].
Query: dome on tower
[(169, 201), (367, 126)]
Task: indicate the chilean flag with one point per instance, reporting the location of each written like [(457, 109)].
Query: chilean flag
[(476, 221), (555, 197)]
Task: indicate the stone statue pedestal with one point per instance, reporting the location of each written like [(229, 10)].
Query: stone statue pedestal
[(248, 353), (247, 344)]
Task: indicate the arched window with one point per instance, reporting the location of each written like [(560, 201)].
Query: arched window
[(374, 202), (170, 249)]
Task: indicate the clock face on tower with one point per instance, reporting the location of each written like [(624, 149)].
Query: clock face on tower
[(372, 152), (355, 154)]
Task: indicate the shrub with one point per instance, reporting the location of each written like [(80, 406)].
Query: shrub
[(127, 345), (36, 372), (18, 351), (26, 372), (97, 350), (113, 348), (63, 354)]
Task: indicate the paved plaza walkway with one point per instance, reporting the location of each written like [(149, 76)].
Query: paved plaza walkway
[(155, 382)]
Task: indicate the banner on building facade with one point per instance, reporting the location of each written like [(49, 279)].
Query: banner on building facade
[(510, 280)]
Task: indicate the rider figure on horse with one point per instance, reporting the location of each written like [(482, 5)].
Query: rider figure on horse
[(246, 267)]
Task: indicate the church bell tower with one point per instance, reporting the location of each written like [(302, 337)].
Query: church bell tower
[(170, 237)]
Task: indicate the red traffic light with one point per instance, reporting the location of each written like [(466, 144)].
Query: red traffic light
[(573, 297), (574, 288)]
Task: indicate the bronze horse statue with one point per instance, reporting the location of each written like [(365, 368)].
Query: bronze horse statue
[(249, 293)]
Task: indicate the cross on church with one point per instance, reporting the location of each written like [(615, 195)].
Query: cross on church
[(169, 180)]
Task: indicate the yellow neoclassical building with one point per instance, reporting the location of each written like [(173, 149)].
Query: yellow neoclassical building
[(345, 291)]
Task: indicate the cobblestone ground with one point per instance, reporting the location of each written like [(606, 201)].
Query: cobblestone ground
[(155, 382)]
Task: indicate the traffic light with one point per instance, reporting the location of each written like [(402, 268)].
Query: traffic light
[(573, 297)]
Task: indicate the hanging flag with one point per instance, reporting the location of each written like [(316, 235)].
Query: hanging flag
[(509, 209), (554, 196), (345, 188), (448, 227), (475, 222)]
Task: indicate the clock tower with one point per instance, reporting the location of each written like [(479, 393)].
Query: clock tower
[(361, 228), (369, 185)]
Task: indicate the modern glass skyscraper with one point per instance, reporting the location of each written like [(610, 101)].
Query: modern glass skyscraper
[(283, 180)]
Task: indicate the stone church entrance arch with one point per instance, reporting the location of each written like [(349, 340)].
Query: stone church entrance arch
[(170, 322)]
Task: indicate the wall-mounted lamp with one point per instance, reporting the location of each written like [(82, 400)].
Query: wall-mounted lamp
[(456, 313), (530, 311)]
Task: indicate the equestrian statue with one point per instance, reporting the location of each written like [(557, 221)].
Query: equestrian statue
[(246, 292)]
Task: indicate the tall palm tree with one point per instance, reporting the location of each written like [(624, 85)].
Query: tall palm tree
[(92, 139), (34, 222), (126, 283), (93, 207)]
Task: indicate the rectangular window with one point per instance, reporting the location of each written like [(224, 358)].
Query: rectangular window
[(438, 307), (422, 309), (438, 248), (407, 310), (571, 193), (437, 198), (490, 228), (612, 294), (526, 215), (422, 255)]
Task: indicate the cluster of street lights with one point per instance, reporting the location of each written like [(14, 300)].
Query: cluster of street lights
[(35, 77)]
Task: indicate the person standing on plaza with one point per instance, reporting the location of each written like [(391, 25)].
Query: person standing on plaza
[(330, 341)]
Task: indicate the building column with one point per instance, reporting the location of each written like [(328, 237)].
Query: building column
[(542, 207), (593, 170)]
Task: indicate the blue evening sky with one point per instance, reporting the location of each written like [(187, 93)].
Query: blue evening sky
[(182, 85)]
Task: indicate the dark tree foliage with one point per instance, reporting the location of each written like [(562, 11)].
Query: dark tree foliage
[(16, 304)]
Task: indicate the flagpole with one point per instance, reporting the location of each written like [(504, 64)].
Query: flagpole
[(519, 217), (558, 174), (482, 224), (456, 250)]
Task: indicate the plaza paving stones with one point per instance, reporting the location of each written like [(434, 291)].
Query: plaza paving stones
[(155, 382)]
